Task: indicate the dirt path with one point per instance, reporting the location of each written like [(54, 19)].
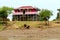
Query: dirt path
[(31, 34)]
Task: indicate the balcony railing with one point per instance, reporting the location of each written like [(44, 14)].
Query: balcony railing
[(21, 13)]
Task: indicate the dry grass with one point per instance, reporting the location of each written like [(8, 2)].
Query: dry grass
[(51, 32), (32, 24)]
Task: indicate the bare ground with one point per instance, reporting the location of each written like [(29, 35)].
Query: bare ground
[(31, 34)]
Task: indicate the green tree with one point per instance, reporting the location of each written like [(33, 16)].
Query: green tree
[(58, 14), (4, 11), (45, 14)]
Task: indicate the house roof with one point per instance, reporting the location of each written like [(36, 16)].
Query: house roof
[(26, 7)]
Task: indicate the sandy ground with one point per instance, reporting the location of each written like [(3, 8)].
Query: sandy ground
[(31, 34)]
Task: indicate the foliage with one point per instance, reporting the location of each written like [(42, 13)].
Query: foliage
[(58, 9), (58, 14), (1, 27), (4, 11), (54, 20), (45, 14)]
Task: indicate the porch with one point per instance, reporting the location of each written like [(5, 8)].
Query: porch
[(25, 17)]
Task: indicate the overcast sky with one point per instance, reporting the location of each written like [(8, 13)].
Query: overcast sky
[(42, 4)]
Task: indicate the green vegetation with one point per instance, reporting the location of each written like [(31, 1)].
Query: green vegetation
[(1, 27), (4, 11), (45, 14), (33, 24), (58, 14)]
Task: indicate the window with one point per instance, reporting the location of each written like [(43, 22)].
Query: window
[(29, 10), (18, 10)]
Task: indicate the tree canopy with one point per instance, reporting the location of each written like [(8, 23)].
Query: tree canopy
[(45, 14), (58, 9), (58, 14), (4, 11)]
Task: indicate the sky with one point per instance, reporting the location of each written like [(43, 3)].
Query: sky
[(42, 4)]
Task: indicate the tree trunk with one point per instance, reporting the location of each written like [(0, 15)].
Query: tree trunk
[(5, 21), (45, 22), (48, 22)]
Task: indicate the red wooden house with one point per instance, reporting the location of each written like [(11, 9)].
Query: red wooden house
[(26, 13)]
